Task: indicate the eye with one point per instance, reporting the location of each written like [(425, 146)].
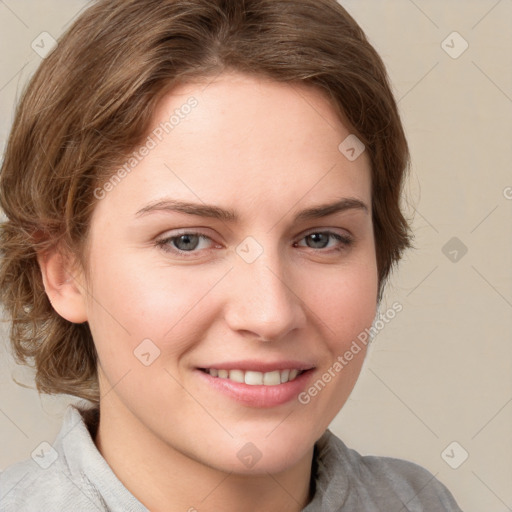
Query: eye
[(190, 243), (320, 240), (186, 242)]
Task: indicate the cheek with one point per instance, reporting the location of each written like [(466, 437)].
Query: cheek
[(344, 300), (132, 301), (345, 304)]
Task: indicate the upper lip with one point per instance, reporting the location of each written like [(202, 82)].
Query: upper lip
[(260, 366)]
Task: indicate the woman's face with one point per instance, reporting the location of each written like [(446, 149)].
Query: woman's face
[(245, 275)]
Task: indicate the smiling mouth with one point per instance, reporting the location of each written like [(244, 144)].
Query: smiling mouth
[(253, 378)]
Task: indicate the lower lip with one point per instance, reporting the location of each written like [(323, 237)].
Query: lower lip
[(258, 396)]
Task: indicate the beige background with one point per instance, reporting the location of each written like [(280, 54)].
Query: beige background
[(441, 371)]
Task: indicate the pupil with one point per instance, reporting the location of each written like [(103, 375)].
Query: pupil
[(319, 238), (190, 242)]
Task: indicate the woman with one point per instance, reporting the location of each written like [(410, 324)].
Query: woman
[(203, 209)]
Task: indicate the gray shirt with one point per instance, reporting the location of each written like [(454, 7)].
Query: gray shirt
[(72, 475)]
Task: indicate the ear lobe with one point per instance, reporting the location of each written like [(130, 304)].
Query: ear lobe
[(64, 289)]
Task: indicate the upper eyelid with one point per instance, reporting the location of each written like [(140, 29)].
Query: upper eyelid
[(192, 231), (201, 234), (325, 230), (205, 231)]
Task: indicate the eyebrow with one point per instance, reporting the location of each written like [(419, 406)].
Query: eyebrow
[(230, 216)]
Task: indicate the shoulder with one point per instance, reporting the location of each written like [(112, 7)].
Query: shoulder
[(412, 483), (25, 486), (384, 480), (48, 481)]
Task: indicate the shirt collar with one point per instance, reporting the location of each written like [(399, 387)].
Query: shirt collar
[(88, 467)]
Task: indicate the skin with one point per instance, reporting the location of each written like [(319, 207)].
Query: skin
[(266, 150)]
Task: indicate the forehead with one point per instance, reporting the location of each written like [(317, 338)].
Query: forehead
[(241, 140), (253, 114)]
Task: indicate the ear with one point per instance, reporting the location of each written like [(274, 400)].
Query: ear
[(64, 285)]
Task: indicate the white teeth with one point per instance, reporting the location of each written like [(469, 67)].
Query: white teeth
[(253, 378), (256, 378), (272, 378), (236, 375)]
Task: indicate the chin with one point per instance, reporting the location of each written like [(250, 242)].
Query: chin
[(260, 455)]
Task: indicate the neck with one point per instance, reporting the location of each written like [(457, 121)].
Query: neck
[(163, 478)]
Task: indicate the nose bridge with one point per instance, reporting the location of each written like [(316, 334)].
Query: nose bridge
[(262, 298)]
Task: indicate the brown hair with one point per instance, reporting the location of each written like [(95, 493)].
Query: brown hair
[(91, 101)]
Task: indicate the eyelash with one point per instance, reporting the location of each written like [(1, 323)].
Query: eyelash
[(165, 244)]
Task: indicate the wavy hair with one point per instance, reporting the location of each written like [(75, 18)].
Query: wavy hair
[(90, 104)]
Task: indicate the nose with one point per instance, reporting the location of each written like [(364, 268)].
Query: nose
[(263, 299)]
